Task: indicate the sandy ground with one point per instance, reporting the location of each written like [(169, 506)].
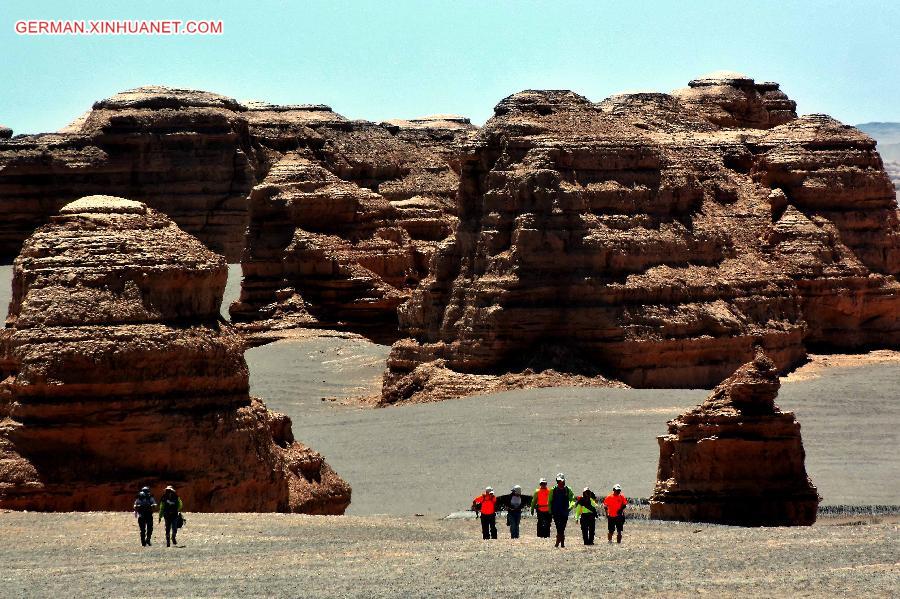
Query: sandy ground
[(817, 364), (99, 555)]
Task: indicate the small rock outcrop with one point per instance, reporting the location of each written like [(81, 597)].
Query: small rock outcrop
[(736, 458), (658, 238), (731, 99), (118, 372)]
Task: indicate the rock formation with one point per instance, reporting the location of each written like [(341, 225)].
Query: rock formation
[(656, 239), (119, 373), (347, 219), (732, 99), (185, 153), (197, 157), (736, 458)]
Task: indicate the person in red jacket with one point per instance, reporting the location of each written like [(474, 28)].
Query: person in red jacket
[(614, 506), (485, 505)]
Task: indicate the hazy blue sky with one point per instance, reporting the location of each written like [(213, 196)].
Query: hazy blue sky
[(384, 59)]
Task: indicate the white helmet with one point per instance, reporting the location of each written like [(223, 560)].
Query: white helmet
[(489, 489), (516, 488), (561, 477), (617, 487), (543, 481)]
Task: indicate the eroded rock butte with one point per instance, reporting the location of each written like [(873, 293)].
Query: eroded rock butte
[(736, 458), (347, 219), (118, 372), (655, 239)]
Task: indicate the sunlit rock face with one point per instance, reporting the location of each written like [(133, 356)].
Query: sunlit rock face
[(651, 239), (736, 458), (119, 373)]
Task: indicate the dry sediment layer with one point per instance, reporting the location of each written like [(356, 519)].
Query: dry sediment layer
[(736, 458), (119, 373), (657, 239)]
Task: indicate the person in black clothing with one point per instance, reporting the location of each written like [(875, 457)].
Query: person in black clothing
[(170, 509), (513, 503), (586, 507), (561, 501), (144, 506)]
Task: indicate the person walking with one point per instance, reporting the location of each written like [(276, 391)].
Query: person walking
[(170, 508), (561, 501), (540, 503), (586, 507), (485, 505), (144, 506), (514, 503), (614, 506)]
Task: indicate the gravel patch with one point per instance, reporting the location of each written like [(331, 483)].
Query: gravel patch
[(98, 555)]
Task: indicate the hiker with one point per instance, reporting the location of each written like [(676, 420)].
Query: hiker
[(170, 508), (144, 506), (485, 506), (614, 506), (513, 503), (586, 507), (561, 501), (540, 502)]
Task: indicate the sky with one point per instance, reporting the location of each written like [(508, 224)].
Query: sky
[(382, 59)]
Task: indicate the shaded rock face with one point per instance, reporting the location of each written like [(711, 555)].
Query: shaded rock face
[(118, 372), (736, 458), (654, 243), (347, 219), (185, 153)]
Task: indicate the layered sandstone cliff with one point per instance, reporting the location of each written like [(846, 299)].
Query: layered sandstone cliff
[(736, 458), (119, 373), (346, 221), (198, 157), (185, 153), (657, 238)]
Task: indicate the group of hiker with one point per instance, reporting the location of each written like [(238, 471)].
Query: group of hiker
[(169, 509), (552, 504)]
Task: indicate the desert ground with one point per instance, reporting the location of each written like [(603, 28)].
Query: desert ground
[(287, 555)]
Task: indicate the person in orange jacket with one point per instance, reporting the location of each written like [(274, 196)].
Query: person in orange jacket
[(485, 505), (614, 506), (540, 503)]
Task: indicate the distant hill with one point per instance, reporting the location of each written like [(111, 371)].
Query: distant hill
[(888, 137)]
